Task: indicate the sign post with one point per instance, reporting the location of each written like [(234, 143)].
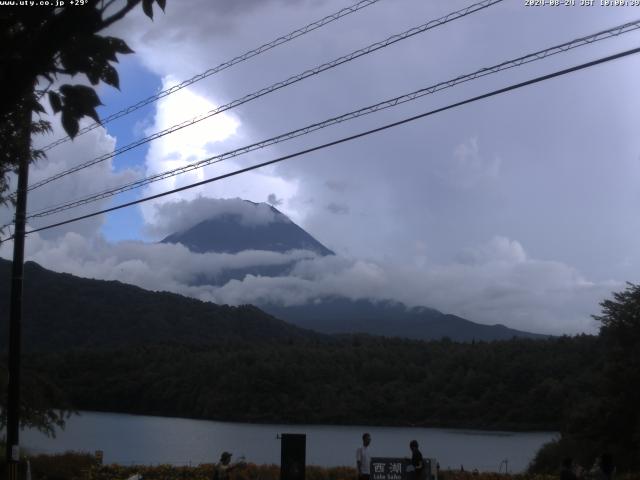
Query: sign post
[(388, 468)]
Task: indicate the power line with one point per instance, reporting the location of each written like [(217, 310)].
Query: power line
[(223, 66), (276, 86), (345, 139), (539, 55)]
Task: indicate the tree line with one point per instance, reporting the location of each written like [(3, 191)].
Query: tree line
[(517, 384)]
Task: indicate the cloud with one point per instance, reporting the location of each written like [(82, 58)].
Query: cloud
[(215, 135), (450, 180), (467, 167), (159, 266), (502, 284), (498, 249), (274, 200), (179, 215), (84, 182), (338, 209)]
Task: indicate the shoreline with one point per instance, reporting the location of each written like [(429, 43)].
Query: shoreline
[(443, 426)]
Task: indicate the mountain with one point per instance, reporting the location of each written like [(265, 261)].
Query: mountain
[(257, 226), (233, 233), (335, 315), (62, 311)]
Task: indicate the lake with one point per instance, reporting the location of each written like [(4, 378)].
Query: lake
[(138, 439)]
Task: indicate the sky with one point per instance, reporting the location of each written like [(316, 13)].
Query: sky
[(520, 209)]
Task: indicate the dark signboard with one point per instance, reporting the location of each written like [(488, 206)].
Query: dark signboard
[(385, 468), (293, 456)]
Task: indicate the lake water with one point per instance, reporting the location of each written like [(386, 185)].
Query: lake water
[(137, 439)]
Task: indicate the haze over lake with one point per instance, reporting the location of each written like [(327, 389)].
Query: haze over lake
[(137, 439)]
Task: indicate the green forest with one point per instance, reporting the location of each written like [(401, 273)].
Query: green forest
[(555, 384), (519, 384)]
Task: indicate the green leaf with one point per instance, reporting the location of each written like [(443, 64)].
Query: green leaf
[(109, 76), (80, 95), (119, 45), (102, 48), (74, 61), (147, 7), (69, 123), (55, 101), (80, 100), (93, 75), (38, 108), (91, 112), (162, 4)]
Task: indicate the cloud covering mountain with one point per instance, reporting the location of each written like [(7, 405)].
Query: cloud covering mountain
[(496, 282)]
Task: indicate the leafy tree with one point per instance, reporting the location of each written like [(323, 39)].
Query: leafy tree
[(605, 417), (620, 334), (37, 45)]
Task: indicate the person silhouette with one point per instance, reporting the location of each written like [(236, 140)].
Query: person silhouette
[(363, 460), (416, 470)]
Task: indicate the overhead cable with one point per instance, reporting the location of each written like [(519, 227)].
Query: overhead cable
[(223, 66), (344, 139), (532, 57), (276, 86)]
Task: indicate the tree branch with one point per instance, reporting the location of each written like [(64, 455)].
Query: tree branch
[(105, 7)]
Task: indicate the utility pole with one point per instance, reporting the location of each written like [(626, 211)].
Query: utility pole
[(15, 315)]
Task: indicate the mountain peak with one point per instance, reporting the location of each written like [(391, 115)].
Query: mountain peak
[(246, 225)]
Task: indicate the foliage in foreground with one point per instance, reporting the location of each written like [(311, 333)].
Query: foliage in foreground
[(78, 466), (606, 418)]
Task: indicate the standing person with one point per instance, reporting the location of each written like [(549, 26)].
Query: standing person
[(223, 467), (363, 460), (417, 462)]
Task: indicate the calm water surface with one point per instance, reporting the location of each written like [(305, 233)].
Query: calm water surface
[(137, 439)]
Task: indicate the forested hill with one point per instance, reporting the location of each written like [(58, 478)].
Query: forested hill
[(516, 384), (62, 311)]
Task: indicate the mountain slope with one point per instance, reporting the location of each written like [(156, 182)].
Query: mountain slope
[(62, 311), (230, 233), (389, 319)]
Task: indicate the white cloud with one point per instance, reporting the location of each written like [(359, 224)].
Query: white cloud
[(467, 167), (449, 180), (501, 285), (274, 200), (96, 178), (203, 140), (498, 249), (179, 215)]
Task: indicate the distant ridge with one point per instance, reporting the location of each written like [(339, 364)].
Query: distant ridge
[(337, 315)]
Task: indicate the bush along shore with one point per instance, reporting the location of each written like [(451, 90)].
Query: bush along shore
[(85, 466)]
